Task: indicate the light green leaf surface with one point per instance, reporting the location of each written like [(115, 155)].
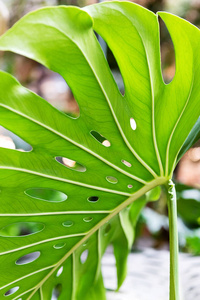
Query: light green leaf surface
[(162, 116)]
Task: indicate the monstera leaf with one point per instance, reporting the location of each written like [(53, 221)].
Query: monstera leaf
[(120, 147)]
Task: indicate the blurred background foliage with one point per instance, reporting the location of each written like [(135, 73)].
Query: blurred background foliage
[(152, 228)]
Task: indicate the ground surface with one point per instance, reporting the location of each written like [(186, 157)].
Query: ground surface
[(148, 276)]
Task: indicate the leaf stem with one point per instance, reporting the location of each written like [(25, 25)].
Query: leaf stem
[(173, 235)]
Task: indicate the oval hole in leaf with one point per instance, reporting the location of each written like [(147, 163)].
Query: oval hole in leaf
[(28, 258), (133, 124), (126, 163), (167, 53), (60, 270), (85, 243), (111, 179), (112, 64), (130, 186), (106, 143), (101, 139), (11, 291), (84, 256), (56, 291), (21, 229), (116, 72), (67, 223), (87, 219), (59, 245), (10, 140), (107, 229), (46, 194), (56, 91), (70, 164), (93, 199)]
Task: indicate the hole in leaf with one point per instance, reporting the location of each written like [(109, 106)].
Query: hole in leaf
[(67, 223), (115, 70), (56, 292), (93, 199), (46, 194), (102, 43), (106, 143), (84, 256), (10, 140), (59, 245), (107, 229), (28, 258), (87, 219), (71, 164), (133, 124), (59, 271), (167, 53), (52, 87), (11, 291), (130, 186), (21, 229), (126, 163), (101, 139), (6, 142), (111, 179), (112, 64), (85, 243)]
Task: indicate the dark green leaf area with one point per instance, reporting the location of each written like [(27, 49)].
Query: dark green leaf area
[(188, 205)]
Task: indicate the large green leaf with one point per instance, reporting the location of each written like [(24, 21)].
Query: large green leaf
[(139, 157)]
